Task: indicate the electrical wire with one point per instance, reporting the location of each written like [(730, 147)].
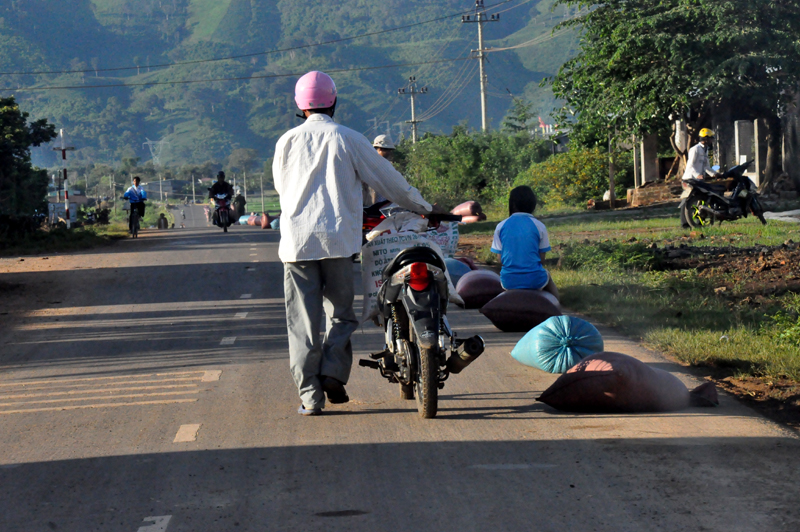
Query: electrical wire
[(432, 113), (254, 54), (211, 80), (445, 94)]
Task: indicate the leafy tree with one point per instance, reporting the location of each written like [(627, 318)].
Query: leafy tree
[(23, 188), (642, 62), (243, 159), (518, 117)]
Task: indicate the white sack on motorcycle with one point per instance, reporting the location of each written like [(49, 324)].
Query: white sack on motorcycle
[(375, 255)]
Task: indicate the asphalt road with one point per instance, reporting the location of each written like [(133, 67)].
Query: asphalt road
[(110, 356)]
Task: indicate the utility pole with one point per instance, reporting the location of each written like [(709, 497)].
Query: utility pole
[(411, 90), (156, 148), (262, 192), (194, 197), (64, 149), (481, 18), (244, 180)]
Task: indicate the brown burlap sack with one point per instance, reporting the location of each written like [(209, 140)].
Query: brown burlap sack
[(478, 287), (521, 310), (613, 382)]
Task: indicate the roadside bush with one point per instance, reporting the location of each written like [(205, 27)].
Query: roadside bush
[(568, 178), (451, 169), (787, 321)]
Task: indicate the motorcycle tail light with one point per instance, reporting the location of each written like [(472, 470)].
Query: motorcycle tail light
[(418, 276)]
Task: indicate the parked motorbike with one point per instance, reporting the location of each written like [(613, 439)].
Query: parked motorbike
[(421, 350), (222, 211), (705, 203)]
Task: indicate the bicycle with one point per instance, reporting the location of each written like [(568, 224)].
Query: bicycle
[(134, 222)]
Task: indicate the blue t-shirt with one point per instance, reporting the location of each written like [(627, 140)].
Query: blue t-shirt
[(519, 240)]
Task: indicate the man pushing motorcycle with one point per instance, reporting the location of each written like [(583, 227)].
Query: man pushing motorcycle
[(698, 165), (318, 170)]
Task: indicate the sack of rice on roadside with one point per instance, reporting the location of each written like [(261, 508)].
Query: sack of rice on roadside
[(558, 344), (521, 310), (478, 287), (379, 252), (617, 383)]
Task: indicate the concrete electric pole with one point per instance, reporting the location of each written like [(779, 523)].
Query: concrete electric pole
[(481, 18), (64, 149), (156, 149), (411, 90)]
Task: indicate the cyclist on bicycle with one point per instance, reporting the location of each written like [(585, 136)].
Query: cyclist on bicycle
[(137, 196)]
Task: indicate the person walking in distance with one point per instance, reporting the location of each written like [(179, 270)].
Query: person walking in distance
[(318, 170)]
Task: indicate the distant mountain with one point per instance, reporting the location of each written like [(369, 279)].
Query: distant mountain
[(207, 120)]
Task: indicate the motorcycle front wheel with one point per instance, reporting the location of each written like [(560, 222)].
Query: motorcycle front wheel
[(693, 214), (427, 384)]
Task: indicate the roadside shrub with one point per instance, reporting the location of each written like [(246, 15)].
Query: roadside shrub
[(568, 178), (787, 321)]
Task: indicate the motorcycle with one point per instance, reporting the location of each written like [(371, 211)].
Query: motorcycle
[(222, 211), (705, 203), (421, 350)]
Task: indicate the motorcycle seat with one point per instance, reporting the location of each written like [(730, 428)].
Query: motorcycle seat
[(703, 185), (410, 256)]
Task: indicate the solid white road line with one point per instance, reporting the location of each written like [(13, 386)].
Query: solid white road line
[(246, 296), (160, 524), (211, 376), (116, 377), (240, 315), (228, 340), (187, 433)]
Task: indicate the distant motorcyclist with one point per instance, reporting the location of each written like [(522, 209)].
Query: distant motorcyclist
[(218, 188), (137, 196), (698, 165)]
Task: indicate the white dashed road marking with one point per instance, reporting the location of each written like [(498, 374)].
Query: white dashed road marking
[(160, 524), (254, 254), (246, 296), (241, 315), (211, 376), (187, 433), (228, 340)]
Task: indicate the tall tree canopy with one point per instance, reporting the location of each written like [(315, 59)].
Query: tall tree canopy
[(22, 188), (642, 61)]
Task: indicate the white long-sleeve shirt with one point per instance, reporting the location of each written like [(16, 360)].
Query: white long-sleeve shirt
[(697, 165), (318, 170)]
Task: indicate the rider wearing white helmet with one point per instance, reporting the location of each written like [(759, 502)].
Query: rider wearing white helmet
[(318, 170)]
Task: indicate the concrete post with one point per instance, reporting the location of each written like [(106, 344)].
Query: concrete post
[(760, 135), (649, 159), (745, 131), (637, 165)]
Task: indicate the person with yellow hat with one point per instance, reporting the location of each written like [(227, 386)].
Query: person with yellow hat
[(697, 164)]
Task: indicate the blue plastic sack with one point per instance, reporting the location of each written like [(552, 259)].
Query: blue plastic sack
[(558, 344), (456, 269), (275, 224)]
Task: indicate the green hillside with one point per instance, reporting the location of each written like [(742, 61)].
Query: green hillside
[(207, 120)]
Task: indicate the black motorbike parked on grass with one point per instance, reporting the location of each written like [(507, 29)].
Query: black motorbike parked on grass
[(412, 302), (705, 203)]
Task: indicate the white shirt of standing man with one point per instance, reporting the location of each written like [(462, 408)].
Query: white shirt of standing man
[(318, 171)]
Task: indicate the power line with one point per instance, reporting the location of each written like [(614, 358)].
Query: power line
[(254, 54), (211, 80), (453, 98), (456, 85)]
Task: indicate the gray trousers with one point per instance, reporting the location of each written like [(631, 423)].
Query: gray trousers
[(311, 287)]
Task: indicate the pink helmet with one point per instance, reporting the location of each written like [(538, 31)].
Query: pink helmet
[(315, 90)]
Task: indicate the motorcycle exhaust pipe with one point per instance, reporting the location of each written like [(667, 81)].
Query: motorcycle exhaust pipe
[(712, 212), (466, 354)]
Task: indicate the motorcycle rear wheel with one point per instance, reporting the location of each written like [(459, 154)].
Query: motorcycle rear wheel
[(693, 216), (427, 384)]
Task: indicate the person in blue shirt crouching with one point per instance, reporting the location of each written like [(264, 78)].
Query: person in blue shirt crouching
[(522, 243)]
